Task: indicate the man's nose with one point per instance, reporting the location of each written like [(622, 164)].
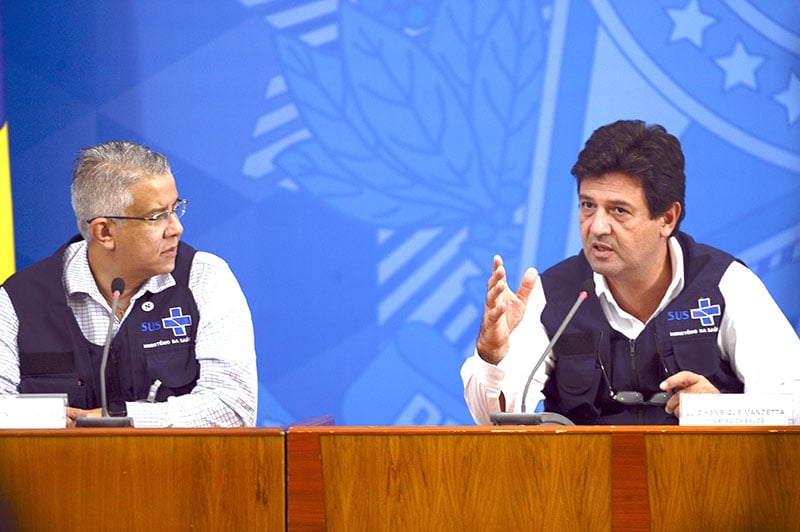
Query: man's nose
[(174, 225), (600, 223)]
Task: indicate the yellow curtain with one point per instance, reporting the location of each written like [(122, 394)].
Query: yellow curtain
[(6, 215), (7, 261)]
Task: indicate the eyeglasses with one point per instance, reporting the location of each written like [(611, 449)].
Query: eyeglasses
[(632, 398), (178, 210)]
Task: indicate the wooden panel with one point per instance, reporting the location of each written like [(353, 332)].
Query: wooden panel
[(304, 484), (630, 503), (455, 479), (144, 479), (718, 481)]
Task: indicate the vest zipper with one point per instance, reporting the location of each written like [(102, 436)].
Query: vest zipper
[(634, 372), (635, 377)]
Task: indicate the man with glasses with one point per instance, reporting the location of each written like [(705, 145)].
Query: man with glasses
[(670, 316), (183, 350)]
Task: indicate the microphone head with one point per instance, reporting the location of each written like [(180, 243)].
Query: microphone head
[(588, 287), (117, 285)]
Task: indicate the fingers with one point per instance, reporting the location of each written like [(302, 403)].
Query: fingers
[(679, 381), (497, 261), (684, 382), (498, 273), (493, 336), (72, 414), (688, 382), (495, 289), (676, 384), (503, 311), (673, 405), (495, 304), (498, 284), (527, 284)]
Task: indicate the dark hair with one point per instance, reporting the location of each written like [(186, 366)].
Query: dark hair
[(633, 148)]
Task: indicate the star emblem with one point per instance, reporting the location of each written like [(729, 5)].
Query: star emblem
[(689, 23), (790, 98), (740, 67)]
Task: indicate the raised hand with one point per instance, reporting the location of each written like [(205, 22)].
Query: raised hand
[(503, 311)]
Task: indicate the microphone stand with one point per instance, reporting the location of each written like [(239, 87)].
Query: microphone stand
[(544, 418), (117, 287)]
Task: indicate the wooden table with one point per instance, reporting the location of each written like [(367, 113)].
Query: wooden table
[(543, 478), (143, 479), (402, 478)]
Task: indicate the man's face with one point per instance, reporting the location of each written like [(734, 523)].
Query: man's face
[(145, 248), (620, 240)]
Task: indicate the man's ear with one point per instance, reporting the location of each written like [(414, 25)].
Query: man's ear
[(670, 219), (102, 232)]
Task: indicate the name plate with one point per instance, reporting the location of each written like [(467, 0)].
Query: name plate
[(33, 411), (736, 409)]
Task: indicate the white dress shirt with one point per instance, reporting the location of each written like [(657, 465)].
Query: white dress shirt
[(754, 336), (226, 391)]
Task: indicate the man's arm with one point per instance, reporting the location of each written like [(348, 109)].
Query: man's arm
[(512, 335), (9, 351), (755, 337), (760, 343)]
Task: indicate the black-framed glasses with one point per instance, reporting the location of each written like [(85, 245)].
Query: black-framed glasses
[(177, 210), (631, 398)]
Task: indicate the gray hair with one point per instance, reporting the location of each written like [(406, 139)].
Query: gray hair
[(103, 175)]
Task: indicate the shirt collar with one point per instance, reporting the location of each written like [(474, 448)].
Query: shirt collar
[(78, 278)]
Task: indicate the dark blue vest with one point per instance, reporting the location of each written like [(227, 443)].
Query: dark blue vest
[(682, 337), (156, 340)]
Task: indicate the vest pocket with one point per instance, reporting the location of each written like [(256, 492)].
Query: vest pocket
[(699, 355), (67, 383), (577, 380), (46, 363), (177, 369), (576, 374), (51, 372)]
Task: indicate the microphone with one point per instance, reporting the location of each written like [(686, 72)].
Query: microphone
[(545, 418), (117, 288)]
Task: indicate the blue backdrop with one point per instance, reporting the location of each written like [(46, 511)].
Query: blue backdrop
[(358, 163)]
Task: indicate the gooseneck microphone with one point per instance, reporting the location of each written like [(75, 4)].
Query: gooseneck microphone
[(586, 288), (545, 418), (117, 288)]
